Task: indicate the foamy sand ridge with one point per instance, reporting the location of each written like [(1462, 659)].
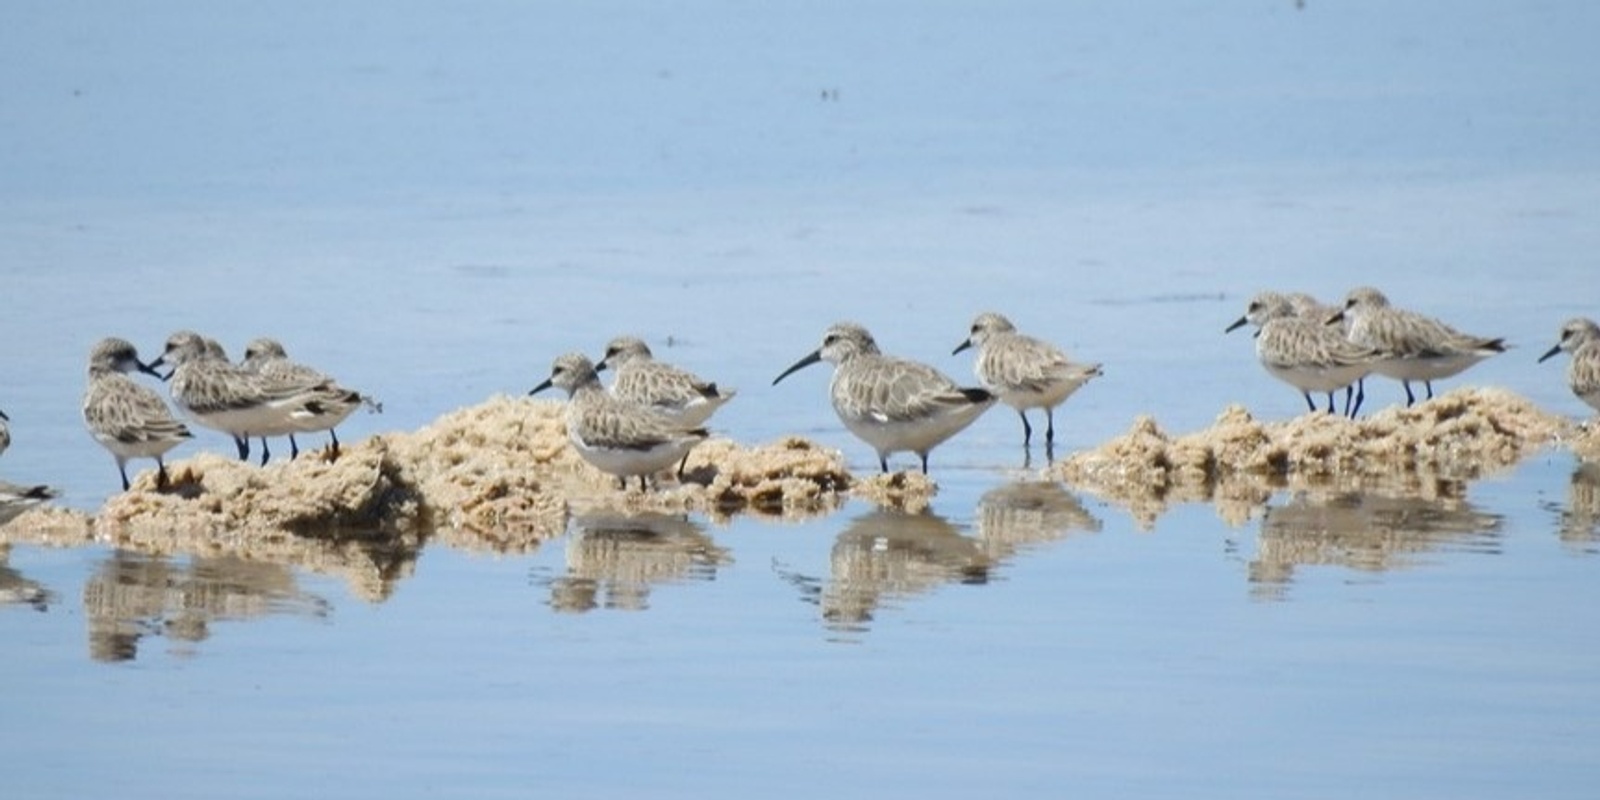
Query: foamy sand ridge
[(1427, 450), (500, 475)]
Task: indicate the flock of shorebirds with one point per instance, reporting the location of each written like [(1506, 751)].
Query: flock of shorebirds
[(650, 417), (1322, 349), (265, 395), (653, 413)]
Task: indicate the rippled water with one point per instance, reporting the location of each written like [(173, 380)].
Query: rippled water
[(432, 204)]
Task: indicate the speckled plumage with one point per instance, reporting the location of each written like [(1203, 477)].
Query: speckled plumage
[(1307, 354), (1581, 338), (1307, 307), (675, 393), (128, 418), (330, 403), (1310, 308), (616, 437), (236, 401), (1415, 347), (1024, 372), (891, 403)]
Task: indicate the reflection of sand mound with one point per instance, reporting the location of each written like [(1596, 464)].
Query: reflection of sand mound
[(1239, 461), (370, 566)]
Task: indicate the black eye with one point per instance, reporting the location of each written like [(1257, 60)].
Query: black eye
[(829, 339), (1255, 307)]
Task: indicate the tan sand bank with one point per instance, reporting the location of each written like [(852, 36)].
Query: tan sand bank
[(903, 491), (1239, 461)]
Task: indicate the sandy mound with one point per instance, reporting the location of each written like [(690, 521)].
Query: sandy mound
[(1239, 461), (499, 476), (902, 491)]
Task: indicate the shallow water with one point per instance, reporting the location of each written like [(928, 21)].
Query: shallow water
[(432, 206)]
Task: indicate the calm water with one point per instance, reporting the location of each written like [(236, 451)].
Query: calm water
[(433, 204)]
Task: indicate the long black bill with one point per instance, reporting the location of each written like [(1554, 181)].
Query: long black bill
[(150, 369), (548, 382), (814, 357), (1237, 324), (1335, 319), (964, 345), (1549, 354)]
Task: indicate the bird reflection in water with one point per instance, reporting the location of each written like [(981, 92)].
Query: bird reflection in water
[(1365, 531), (1579, 520), (131, 597), (886, 554), (1017, 516), (613, 560), (17, 589)]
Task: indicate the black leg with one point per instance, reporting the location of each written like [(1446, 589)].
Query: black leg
[(161, 473), (1049, 428), (1311, 404), (335, 438), (243, 443), (1361, 395), (1330, 402), (883, 464), (1410, 398), (643, 488), (294, 448), (1429, 384), (265, 454), (681, 465), (124, 470), (924, 457), (1027, 430)]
